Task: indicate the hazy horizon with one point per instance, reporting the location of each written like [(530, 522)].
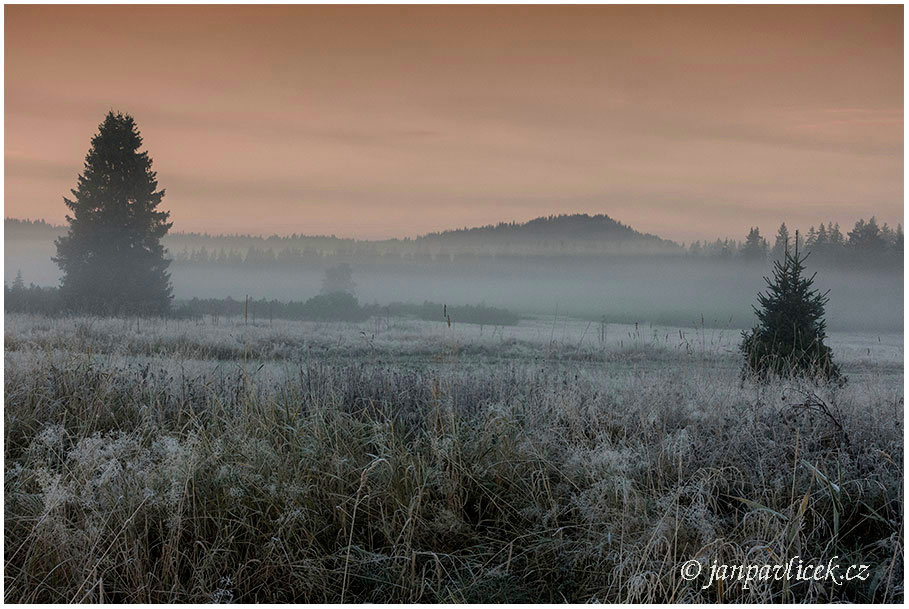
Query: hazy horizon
[(376, 122), (767, 232)]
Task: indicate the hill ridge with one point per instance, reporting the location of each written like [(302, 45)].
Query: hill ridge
[(566, 227)]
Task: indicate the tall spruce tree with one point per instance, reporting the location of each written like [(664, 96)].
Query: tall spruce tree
[(789, 338), (112, 258)]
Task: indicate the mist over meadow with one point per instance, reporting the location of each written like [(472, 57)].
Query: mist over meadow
[(654, 352), (543, 271)]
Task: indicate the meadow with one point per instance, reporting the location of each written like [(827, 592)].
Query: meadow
[(213, 460)]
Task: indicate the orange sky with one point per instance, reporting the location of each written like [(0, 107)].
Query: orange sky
[(689, 122)]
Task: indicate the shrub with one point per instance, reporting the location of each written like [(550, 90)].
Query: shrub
[(336, 306)]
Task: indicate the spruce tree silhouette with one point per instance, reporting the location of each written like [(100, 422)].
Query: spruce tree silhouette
[(755, 247), (112, 258), (789, 338)]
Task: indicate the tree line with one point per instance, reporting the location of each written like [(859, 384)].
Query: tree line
[(867, 245), (327, 306)]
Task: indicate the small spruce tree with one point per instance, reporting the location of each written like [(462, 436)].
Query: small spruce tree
[(789, 338), (112, 257)]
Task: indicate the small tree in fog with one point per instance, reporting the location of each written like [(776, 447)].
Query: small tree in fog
[(789, 337), (112, 258), (14, 295), (781, 243), (338, 279), (755, 248), (867, 242)]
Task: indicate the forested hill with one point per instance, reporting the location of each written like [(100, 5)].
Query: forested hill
[(577, 233), (552, 231), (868, 245), (31, 230)]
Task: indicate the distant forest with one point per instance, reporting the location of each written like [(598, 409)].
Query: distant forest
[(867, 245)]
